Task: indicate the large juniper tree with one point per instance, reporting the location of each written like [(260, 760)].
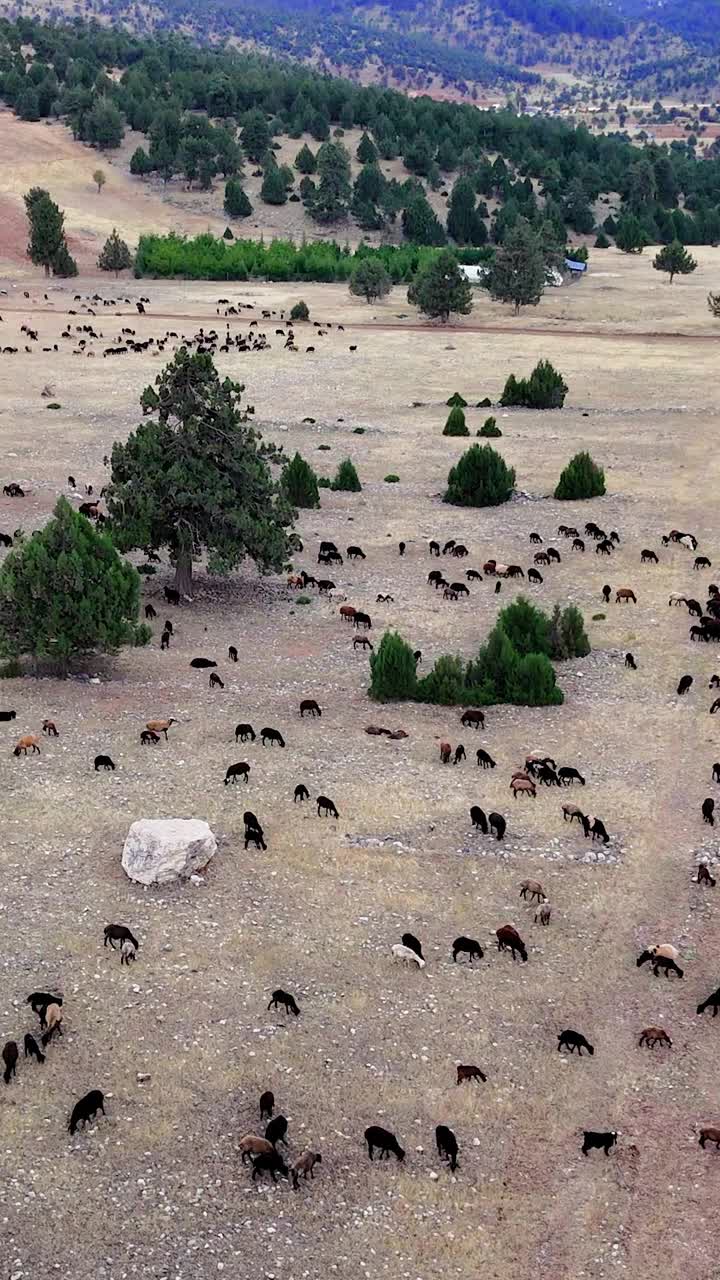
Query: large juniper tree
[(195, 477)]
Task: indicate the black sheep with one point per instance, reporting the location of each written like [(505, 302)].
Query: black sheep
[(376, 1136), (10, 1057), (447, 1146), (86, 1108), (32, 1048), (276, 1129), (283, 997), (573, 1040)]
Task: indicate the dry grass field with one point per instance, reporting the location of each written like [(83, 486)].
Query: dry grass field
[(157, 1189)]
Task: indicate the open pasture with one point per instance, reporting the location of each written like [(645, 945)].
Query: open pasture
[(157, 1188)]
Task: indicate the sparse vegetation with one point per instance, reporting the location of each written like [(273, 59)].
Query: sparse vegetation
[(581, 478), (480, 479), (544, 389), (346, 478), (300, 484)]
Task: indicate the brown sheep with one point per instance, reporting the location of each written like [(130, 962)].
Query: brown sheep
[(49, 727), (28, 743), (347, 612), (53, 1022), (530, 889), (571, 811), (652, 1036), (710, 1135), (470, 1073), (160, 726), (445, 752), (543, 913), (523, 786), (624, 594), (304, 1165), (252, 1145)]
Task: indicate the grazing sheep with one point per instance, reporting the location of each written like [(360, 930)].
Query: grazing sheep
[(630, 662), (244, 731), (710, 1135), (301, 793), (201, 663), (664, 957), (543, 914), (704, 876), (571, 811), (459, 753), (113, 933), (28, 743), (10, 1057), (148, 738), (269, 1163), (474, 718), (712, 1002), (104, 762), (523, 786), (534, 889), (304, 1165), (470, 1072), (39, 1001), (53, 1023), (235, 771), (281, 997), (445, 752), (8, 715), (215, 681), (275, 1131), (253, 1145), (409, 940), (160, 726), (49, 727), (267, 1104), (572, 1040), (508, 939), (127, 952), (652, 1036), (603, 1141), (272, 736), (376, 1136), (326, 806), (568, 775), (407, 955), (497, 825), (478, 819), (466, 946), (707, 811), (684, 684), (32, 1048), (484, 760), (311, 706), (446, 1143)]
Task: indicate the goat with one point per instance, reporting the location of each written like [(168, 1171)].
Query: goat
[(473, 717), (508, 939), (232, 653), (406, 955), (466, 946), (39, 1001), (684, 684), (652, 1036), (707, 808), (572, 1040), (304, 1165), (28, 743), (215, 681), (272, 736), (664, 957), (603, 1141), (10, 1057), (281, 997), (445, 750), (624, 594), (459, 754), (32, 1048), (712, 1002), (446, 1143), (478, 819), (104, 762), (376, 1136), (534, 889), (113, 933), (470, 1072), (272, 1164), (497, 825), (523, 786)]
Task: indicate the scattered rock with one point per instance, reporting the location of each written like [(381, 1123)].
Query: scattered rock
[(162, 850)]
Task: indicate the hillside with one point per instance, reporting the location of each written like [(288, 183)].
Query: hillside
[(465, 48)]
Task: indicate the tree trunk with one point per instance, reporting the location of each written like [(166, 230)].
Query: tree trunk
[(183, 572)]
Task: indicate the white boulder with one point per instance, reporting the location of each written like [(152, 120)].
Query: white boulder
[(161, 850)]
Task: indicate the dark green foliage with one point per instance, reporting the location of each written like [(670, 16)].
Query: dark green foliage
[(526, 626), (299, 483), (567, 634), (140, 163), (602, 241), (255, 135), (392, 479), (195, 477), (420, 223), (331, 200), (236, 203), (63, 263), (346, 478), (480, 479), (115, 255), (103, 126), (713, 301), (300, 311), (440, 289), (484, 404), (305, 161), (456, 424), (274, 188), (445, 684), (517, 275), (370, 280), (544, 389), (675, 260), (490, 428), (47, 235), (367, 152), (392, 670), (581, 478), (630, 235), (456, 401), (227, 234), (27, 106), (535, 683), (464, 223), (66, 591)]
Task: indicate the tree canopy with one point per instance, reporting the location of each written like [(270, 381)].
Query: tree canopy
[(517, 275), (195, 477), (115, 254), (674, 259), (440, 289)]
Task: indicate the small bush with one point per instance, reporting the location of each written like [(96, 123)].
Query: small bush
[(53, 405), (456, 424), (490, 428), (602, 241), (392, 670), (323, 448), (358, 431), (11, 670), (303, 600), (392, 479), (599, 617), (567, 634), (147, 570), (582, 478), (484, 404), (544, 389), (456, 401), (346, 478), (324, 483), (445, 684), (300, 311), (480, 479), (300, 483)]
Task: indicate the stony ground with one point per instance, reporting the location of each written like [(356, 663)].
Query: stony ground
[(157, 1189)]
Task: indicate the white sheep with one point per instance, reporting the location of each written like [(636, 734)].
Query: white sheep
[(127, 952), (400, 952)]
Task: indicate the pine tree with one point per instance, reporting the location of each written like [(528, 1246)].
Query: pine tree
[(456, 400), (346, 478), (456, 424), (713, 301), (331, 200), (601, 241), (535, 683), (63, 263), (115, 255), (464, 224), (420, 223), (236, 203), (440, 288), (255, 135), (305, 160), (544, 389), (630, 235), (526, 626), (47, 233), (66, 591), (299, 483), (392, 670), (490, 428), (367, 152), (675, 260), (194, 477), (480, 479), (273, 189), (517, 275), (300, 311), (576, 209), (140, 163), (99, 178), (581, 478), (104, 126), (568, 638), (445, 685), (370, 280)]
